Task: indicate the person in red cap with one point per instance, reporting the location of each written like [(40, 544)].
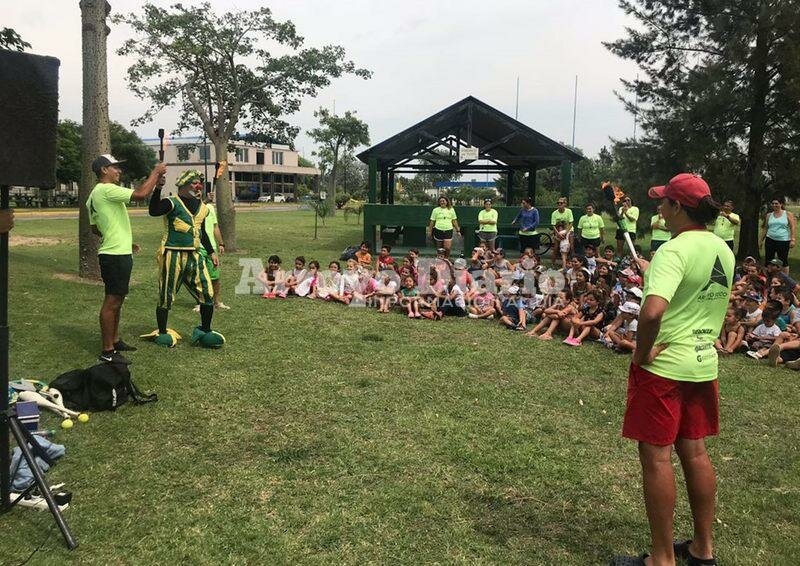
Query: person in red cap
[(673, 395)]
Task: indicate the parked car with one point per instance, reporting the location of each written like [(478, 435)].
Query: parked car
[(279, 198), (265, 198)]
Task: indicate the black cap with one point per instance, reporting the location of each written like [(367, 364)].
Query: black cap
[(104, 161)]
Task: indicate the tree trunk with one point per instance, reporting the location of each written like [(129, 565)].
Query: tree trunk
[(96, 135), (748, 235), (226, 213), (332, 189)]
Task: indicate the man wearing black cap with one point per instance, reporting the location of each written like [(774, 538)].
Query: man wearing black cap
[(673, 394), (108, 216)]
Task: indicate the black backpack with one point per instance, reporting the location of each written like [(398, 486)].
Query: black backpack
[(348, 253), (102, 387)]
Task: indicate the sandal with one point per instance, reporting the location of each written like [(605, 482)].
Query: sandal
[(681, 550)]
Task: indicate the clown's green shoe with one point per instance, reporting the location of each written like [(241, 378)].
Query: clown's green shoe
[(167, 340), (212, 339), (197, 334)]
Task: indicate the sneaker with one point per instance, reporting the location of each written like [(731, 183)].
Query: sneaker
[(753, 354), (774, 355), (123, 347), (113, 358), (196, 308), (472, 315), (222, 306), (794, 364)]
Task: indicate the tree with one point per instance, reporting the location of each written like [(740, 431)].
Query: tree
[(96, 137), (220, 75), (721, 96), (337, 135), (125, 145), (11, 40)]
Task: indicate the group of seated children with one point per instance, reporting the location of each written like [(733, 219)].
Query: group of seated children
[(590, 297)]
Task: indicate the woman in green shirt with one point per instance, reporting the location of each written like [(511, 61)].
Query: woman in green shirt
[(660, 233), (443, 222), (487, 224)]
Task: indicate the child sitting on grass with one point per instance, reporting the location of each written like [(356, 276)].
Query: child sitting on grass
[(385, 261), (328, 283), (294, 277), (349, 283), (513, 309), (608, 258), (409, 298), (620, 335), (482, 303), (557, 315), (385, 292), (308, 285), (762, 337), (272, 277), (732, 333), (454, 302), (588, 322), (363, 257), (752, 311)]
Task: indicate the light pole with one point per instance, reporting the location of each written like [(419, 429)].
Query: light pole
[(206, 184)]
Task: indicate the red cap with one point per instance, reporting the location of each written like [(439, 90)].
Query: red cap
[(686, 188)]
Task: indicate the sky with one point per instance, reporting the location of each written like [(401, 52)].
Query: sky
[(424, 55)]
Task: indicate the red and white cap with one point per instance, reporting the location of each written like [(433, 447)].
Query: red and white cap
[(686, 188)]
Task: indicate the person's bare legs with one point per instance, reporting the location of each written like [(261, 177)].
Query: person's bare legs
[(659, 500), (215, 288), (109, 320), (701, 485), (548, 334)]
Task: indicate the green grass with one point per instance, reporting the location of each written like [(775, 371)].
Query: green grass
[(322, 434)]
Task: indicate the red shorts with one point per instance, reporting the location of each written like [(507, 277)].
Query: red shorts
[(661, 410)]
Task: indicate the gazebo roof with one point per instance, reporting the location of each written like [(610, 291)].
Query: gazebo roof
[(502, 140)]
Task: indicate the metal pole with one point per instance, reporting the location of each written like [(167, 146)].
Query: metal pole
[(516, 111), (574, 110), (5, 457), (206, 184), (636, 109)]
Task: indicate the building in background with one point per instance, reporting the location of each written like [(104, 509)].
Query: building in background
[(257, 171)]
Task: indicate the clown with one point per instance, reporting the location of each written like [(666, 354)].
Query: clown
[(180, 260)]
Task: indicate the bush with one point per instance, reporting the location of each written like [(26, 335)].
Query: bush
[(341, 199)]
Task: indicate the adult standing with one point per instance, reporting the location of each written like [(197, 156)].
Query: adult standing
[(487, 224), (180, 261), (673, 394), (560, 213), (659, 234), (779, 232), (211, 225), (628, 216), (108, 215), (590, 228), (528, 218), (442, 223), (726, 223)]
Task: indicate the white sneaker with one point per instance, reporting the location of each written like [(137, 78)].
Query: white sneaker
[(222, 306), (753, 354), (196, 308), (472, 315)]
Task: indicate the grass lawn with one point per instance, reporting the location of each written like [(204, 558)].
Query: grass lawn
[(324, 434)]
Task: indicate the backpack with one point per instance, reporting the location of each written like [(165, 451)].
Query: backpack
[(102, 387), (348, 253)]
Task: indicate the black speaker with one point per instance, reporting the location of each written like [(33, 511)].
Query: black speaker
[(28, 119)]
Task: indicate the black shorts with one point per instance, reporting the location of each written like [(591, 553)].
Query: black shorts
[(621, 235), (441, 235), (596, 242), (116, 273)]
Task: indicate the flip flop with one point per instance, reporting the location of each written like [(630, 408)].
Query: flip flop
[(681, 550)]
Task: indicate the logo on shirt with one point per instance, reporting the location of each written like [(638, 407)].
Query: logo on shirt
[(717, 276)]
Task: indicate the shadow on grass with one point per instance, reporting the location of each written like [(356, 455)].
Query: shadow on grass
[(84, 338)]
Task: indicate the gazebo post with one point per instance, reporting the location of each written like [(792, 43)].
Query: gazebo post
[(384, 185), (510, 188), (532, 184), (566, 178), (372, 193), (391, 187)]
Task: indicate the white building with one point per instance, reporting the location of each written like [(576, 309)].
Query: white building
[(255, 169)]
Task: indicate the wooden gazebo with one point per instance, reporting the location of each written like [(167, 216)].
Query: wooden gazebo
[(468, 137)]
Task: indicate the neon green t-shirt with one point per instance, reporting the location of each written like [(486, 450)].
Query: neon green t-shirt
[(694, 272), (557, 216), (210, 222), (590, 226), (488, 215), (443, 218), (660, 234), (107, 211), (630, 225), (724, 228)]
